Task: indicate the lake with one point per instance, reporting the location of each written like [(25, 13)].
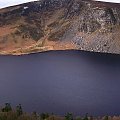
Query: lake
[(62, 81)]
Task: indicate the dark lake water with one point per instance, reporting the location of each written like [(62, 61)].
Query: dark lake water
[(62, 81)]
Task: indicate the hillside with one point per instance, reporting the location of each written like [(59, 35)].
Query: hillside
[(60, 25)]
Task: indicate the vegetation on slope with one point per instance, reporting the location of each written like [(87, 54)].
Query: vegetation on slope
[(60, 25)]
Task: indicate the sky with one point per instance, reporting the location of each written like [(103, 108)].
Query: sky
[(6, 3)]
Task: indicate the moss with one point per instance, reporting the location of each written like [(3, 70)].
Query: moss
[(36, 34), (17, 32), (29, 32), (53, 24), (55, 36)]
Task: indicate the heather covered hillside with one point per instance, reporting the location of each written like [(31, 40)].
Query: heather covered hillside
[(60, 25)]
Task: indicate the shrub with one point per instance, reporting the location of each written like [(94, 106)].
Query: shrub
[(19, 110), (7, 108), (44, 116), (69, 116)]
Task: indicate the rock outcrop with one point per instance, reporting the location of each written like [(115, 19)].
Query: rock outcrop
[(59, 25)]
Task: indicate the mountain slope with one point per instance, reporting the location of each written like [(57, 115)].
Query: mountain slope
[(59, 25)]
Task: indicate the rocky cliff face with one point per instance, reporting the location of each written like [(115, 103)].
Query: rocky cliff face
[(59, 25)]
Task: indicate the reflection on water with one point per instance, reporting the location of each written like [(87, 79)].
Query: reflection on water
[(62, 81)]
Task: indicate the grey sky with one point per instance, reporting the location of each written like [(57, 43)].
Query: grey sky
[(116, 1), (6, 3)]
